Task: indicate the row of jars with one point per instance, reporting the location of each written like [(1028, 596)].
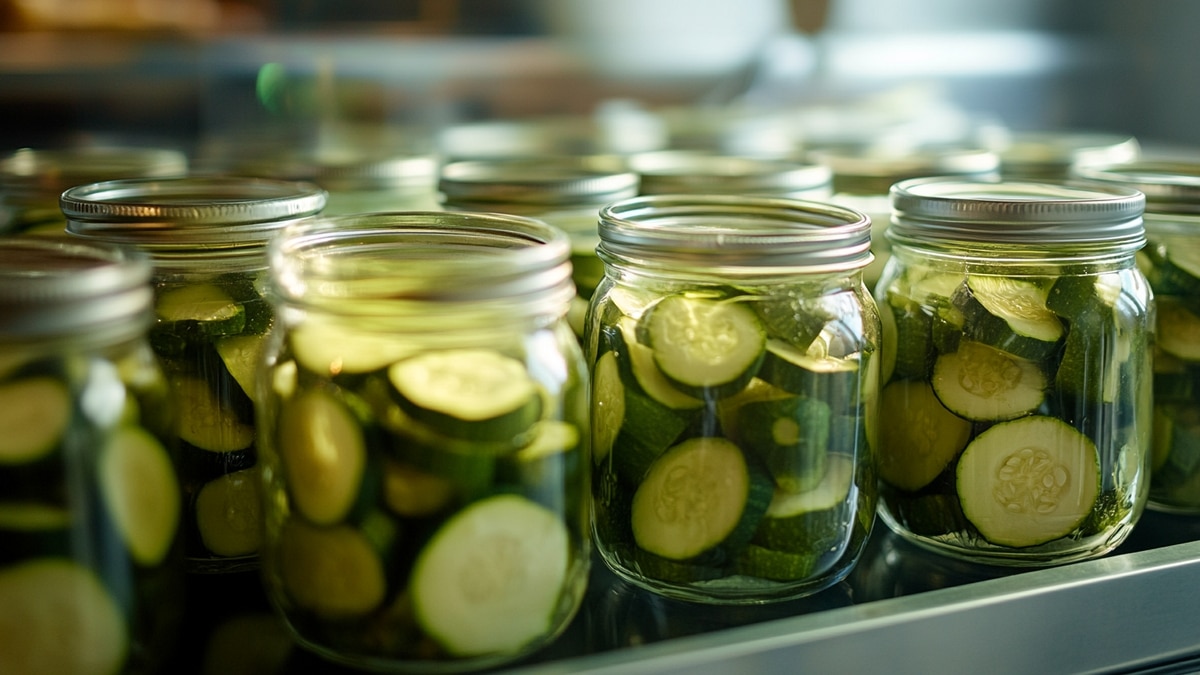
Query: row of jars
[(398, 399)]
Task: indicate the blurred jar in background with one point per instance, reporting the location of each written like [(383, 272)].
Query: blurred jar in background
[(1171, 261), (425, 432), (207, 239), (566, 192), (862, 176), (734, 354), (91, 573), (1055, 155), (684, 172), (32, 180)]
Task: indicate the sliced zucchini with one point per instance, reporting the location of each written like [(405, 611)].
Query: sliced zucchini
[(729, 408), (411, 492), (1028, 481), (331, 348), (34, 414), (647, 374), (791, 436), (776, 565), (707, 347), (204, 421), (474, 394), (323, 449), (57, 617), (1179, 270), (241, 355), (814, 520), (790, 318), (608, 405), (229, 514), (981, 383), (810, 373), (1009, 314), (334, 572), (912, 454), (141, 492), (649, 428), (199, 311), (31, 529), (1178, 330), (700, 495), (490, 579), (888, 336), (675, 571)]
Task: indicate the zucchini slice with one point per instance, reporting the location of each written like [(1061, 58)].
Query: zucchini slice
[(700, 495), (141, 492), (56, 617), (1178, 329), (34, 414), (335, 572), (912, 454), (791, 436), (411, 492), (229, 513), (474, 394), (31, 529), (199, 310), (707, 347), (324, 454), (330, 348), (1009, 314), (1028, 481), (647, 374), (814, 520), (204, 422), (490, 579), (608, 405), (981, 383), (241, 355)]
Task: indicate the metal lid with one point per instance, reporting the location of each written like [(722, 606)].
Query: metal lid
[(40, 175), (55, 286), (184, 212), (682, 172), (1053, 154), (755, 235), (873, 170), (1170, 187), (954, 210), (551, 182)]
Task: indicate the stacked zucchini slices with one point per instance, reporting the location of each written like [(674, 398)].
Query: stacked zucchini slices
[(435, 496), (1000, 394), (726, 436)]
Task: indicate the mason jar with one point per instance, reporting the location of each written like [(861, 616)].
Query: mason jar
[(1016, 369), (691, 172), (31, 180), (566, 192), (91, 573), (1171, 261), (735, 358), (862, 176), (425, 431), (207, 240), (1055, 155)]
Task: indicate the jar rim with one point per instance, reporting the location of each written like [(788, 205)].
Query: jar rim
[(1169, 186), (693, 172), (551, 181), (31, 173)]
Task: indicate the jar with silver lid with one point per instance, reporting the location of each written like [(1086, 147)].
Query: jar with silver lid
[(1016, 370), (862, 176), (566, 192), (424, 439), (1171, 261), (31, 180), (735, 361), (687, 172), (207, 238), (1054, 155), (91, 567)]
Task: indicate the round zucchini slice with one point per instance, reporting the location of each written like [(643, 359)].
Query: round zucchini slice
[(331, 571), (141, 491), (229, 513), (984, 384), (324, 453), (912, 454), (34, 413)]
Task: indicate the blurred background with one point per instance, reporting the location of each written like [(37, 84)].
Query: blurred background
[(477, 77)]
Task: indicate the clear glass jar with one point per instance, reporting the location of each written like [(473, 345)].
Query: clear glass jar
[(687, 172), (1016, 370), (207, 238), (1171, 261), (862, 176), (734, 362), (566, 192), (425, 434), (31, 181), (91, 572), (1047, 155)]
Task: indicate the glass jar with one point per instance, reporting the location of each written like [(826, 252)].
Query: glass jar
[(91, 574), (1171, 261), (425, 435), (32, 180), (207, 239), (566, 192), (863, 175), (1044, 155), (734, 362), (1016, 370), (685, 172)]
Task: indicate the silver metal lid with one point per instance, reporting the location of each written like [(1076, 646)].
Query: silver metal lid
[(873, 170), (551, 182), (683, 172), (56, 286), (185, 212), (954, 210), (33, 175), (1053, 154), (755, 235), (1170, 187)]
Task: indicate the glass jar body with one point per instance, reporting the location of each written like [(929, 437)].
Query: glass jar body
[(90, 528), (463, 533), (1017, 385), (758, 489)]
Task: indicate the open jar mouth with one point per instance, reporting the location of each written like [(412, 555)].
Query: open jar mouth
[(391, 260)]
